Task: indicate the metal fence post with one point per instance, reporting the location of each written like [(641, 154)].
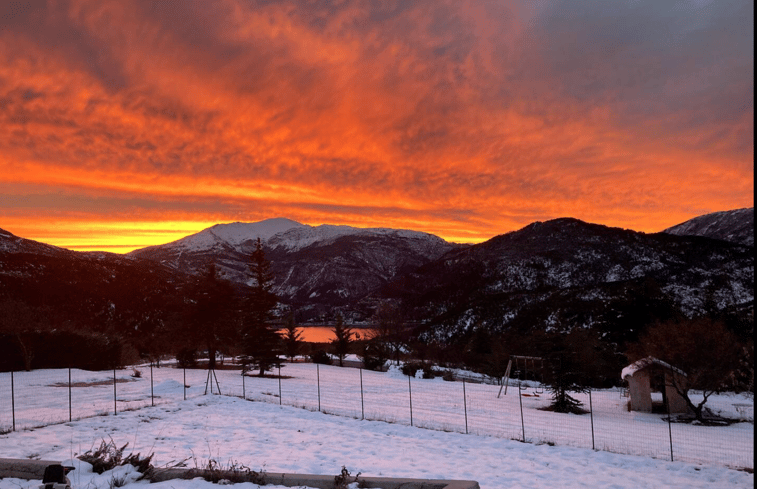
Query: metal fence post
[(465, 406), (591, 415), (522, 423), (115, 406), (410, 392), (185, 383), (280, 385), (70, 402), (244, 393), (670, 429), (318, 379), (13, 401), (362, 398), (152, 388)]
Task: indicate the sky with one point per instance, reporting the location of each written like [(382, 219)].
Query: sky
[(128, 123)]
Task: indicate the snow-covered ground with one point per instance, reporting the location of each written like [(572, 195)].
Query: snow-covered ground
[(281, 438)]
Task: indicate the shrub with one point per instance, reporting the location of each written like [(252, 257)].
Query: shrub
[(411, 368), (344, 479), (108, 456), (374, 356), (448, 375), (321, 357), (186, 358)]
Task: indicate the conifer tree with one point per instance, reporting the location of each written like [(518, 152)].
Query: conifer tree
[(342, 341), (292, 339), (261, 342)]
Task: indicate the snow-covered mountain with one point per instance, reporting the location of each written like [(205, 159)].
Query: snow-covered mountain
[(736, 226), (315, 267), (236, 235), (557, 274), (565, 273)]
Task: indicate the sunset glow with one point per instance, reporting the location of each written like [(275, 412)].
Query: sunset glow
[(128, 123)]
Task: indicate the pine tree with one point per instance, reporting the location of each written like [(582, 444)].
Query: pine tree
[(565, 379), (292, 339), (213, 322), (342, 340), (261, 342)]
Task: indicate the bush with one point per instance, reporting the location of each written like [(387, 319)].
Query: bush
[(321, 357), (186, 358), (411, 368), (374, 356), (448, 375)]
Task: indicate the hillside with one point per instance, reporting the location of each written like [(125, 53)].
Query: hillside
[(736, 226), (564, 274), (316, 268)]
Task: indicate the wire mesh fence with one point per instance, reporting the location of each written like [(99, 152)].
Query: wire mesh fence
[(520, 412), (44, 397)]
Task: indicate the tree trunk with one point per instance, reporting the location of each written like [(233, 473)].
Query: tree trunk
[(26, 353), (211, 358)]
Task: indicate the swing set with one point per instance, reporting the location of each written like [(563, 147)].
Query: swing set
[(521, 373)]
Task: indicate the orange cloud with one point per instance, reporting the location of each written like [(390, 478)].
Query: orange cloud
[(464, 119)]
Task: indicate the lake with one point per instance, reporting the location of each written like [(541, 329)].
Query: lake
[(323, 334)]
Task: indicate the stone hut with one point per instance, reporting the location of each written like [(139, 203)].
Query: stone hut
[(652, 373)]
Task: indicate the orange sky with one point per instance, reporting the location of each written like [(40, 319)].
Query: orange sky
[(127, 123)]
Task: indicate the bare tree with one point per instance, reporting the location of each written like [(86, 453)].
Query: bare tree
[(19, 320), (213, 322), (390, 332), (703, 348)]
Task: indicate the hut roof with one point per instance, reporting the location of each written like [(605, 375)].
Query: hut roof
[(630, 370)]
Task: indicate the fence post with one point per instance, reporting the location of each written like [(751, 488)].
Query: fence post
[(362, 398), (522, 423), (318, 381), (152, 388), (185, 383), (465, 406), (13, 401), (244, 393), (410, 391), (115, 406), (591, 415), (280, 385), (70, 415), (670, 429)]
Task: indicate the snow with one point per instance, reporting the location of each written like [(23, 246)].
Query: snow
[(302, 237), (644, 363), (279, 438), (281, 232), (233, 234)]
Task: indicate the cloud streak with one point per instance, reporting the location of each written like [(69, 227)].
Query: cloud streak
[(465, 119)]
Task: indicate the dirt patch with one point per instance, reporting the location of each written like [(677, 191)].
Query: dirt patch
[(267, 376), (94, 383)]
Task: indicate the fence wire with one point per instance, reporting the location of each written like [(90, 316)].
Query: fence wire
[(520, 412)]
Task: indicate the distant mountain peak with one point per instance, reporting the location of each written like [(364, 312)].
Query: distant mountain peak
[(232, 234), (736, 226)]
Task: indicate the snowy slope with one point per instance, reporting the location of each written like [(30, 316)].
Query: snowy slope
[(736, 226), (234, 234), (282, 438), (298, 238), (316, 267)]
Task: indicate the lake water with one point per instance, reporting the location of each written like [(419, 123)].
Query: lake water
[(323, 334)]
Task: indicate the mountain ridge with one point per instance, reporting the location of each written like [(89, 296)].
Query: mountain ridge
[(735, 226)]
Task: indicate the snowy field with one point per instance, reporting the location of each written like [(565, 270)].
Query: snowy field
[(284, 438)]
